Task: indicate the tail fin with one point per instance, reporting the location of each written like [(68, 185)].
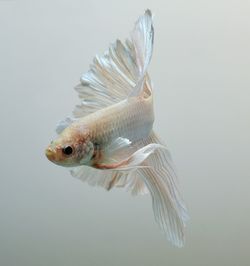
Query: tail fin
[(161, 180)]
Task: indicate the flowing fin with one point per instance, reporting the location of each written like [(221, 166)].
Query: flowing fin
[(119, 73), (108, 174), (92, 176), (136, 185), (143, 40), (116, 151), (153, 163), (116, 148), (134, 161), (151, 169), (109, 179), (161, 180)]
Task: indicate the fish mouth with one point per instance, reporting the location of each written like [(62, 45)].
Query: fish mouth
[(50, 154)]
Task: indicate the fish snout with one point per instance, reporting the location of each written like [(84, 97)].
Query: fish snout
[(50, 154)]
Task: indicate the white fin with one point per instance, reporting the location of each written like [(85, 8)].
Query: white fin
[(117, 145), (137, 158), (151, 169), (143, 40), (116, 75), (116, 151), (128, 177), (135, 184), (161, 180), (63, 124), (130, 180), (126, 160), (92, 176), (109, 179)]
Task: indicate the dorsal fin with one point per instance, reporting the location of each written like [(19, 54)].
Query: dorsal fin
[(119, 73), (143, 39)]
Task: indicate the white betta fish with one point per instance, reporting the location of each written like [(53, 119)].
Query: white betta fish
[(110, 142)]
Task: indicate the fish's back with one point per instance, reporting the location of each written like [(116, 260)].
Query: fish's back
[(132, 119)]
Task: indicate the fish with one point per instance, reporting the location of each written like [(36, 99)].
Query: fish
[(110, 141)]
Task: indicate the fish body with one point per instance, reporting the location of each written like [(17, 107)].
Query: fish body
[(111, 141), (132, 119)]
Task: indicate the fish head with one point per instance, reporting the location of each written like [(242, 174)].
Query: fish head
[(71, 148)]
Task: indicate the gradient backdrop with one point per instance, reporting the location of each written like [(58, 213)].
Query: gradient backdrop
[(200, 70)]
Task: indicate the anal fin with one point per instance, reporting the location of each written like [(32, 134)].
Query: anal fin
[(149, 168), (109, 179), (161, 180)]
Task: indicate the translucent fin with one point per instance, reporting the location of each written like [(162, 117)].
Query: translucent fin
[(132, 181), (150, 168), (117, 146), (131, 162), (115, 152), (63, 124), (136, 185), (109, 179), (161, 180), (143, 40), (138, 157), (108, 175), (92, 176), (115, 75)]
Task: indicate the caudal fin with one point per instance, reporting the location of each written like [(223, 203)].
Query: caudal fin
[(168, 205)]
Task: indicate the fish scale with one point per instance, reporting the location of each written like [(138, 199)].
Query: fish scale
[(132, 119)]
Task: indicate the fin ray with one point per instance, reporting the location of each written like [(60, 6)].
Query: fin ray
[(161, 180), (109, 179), (143, 39), (119, 73)]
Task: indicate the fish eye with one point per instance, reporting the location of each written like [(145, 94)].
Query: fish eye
[(67, 150)]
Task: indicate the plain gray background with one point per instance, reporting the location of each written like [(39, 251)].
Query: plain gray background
[(200, 69)]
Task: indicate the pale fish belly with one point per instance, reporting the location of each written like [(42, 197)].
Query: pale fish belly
[(132, 119)]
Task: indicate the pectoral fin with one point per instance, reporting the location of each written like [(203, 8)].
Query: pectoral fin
[(133, 161)]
